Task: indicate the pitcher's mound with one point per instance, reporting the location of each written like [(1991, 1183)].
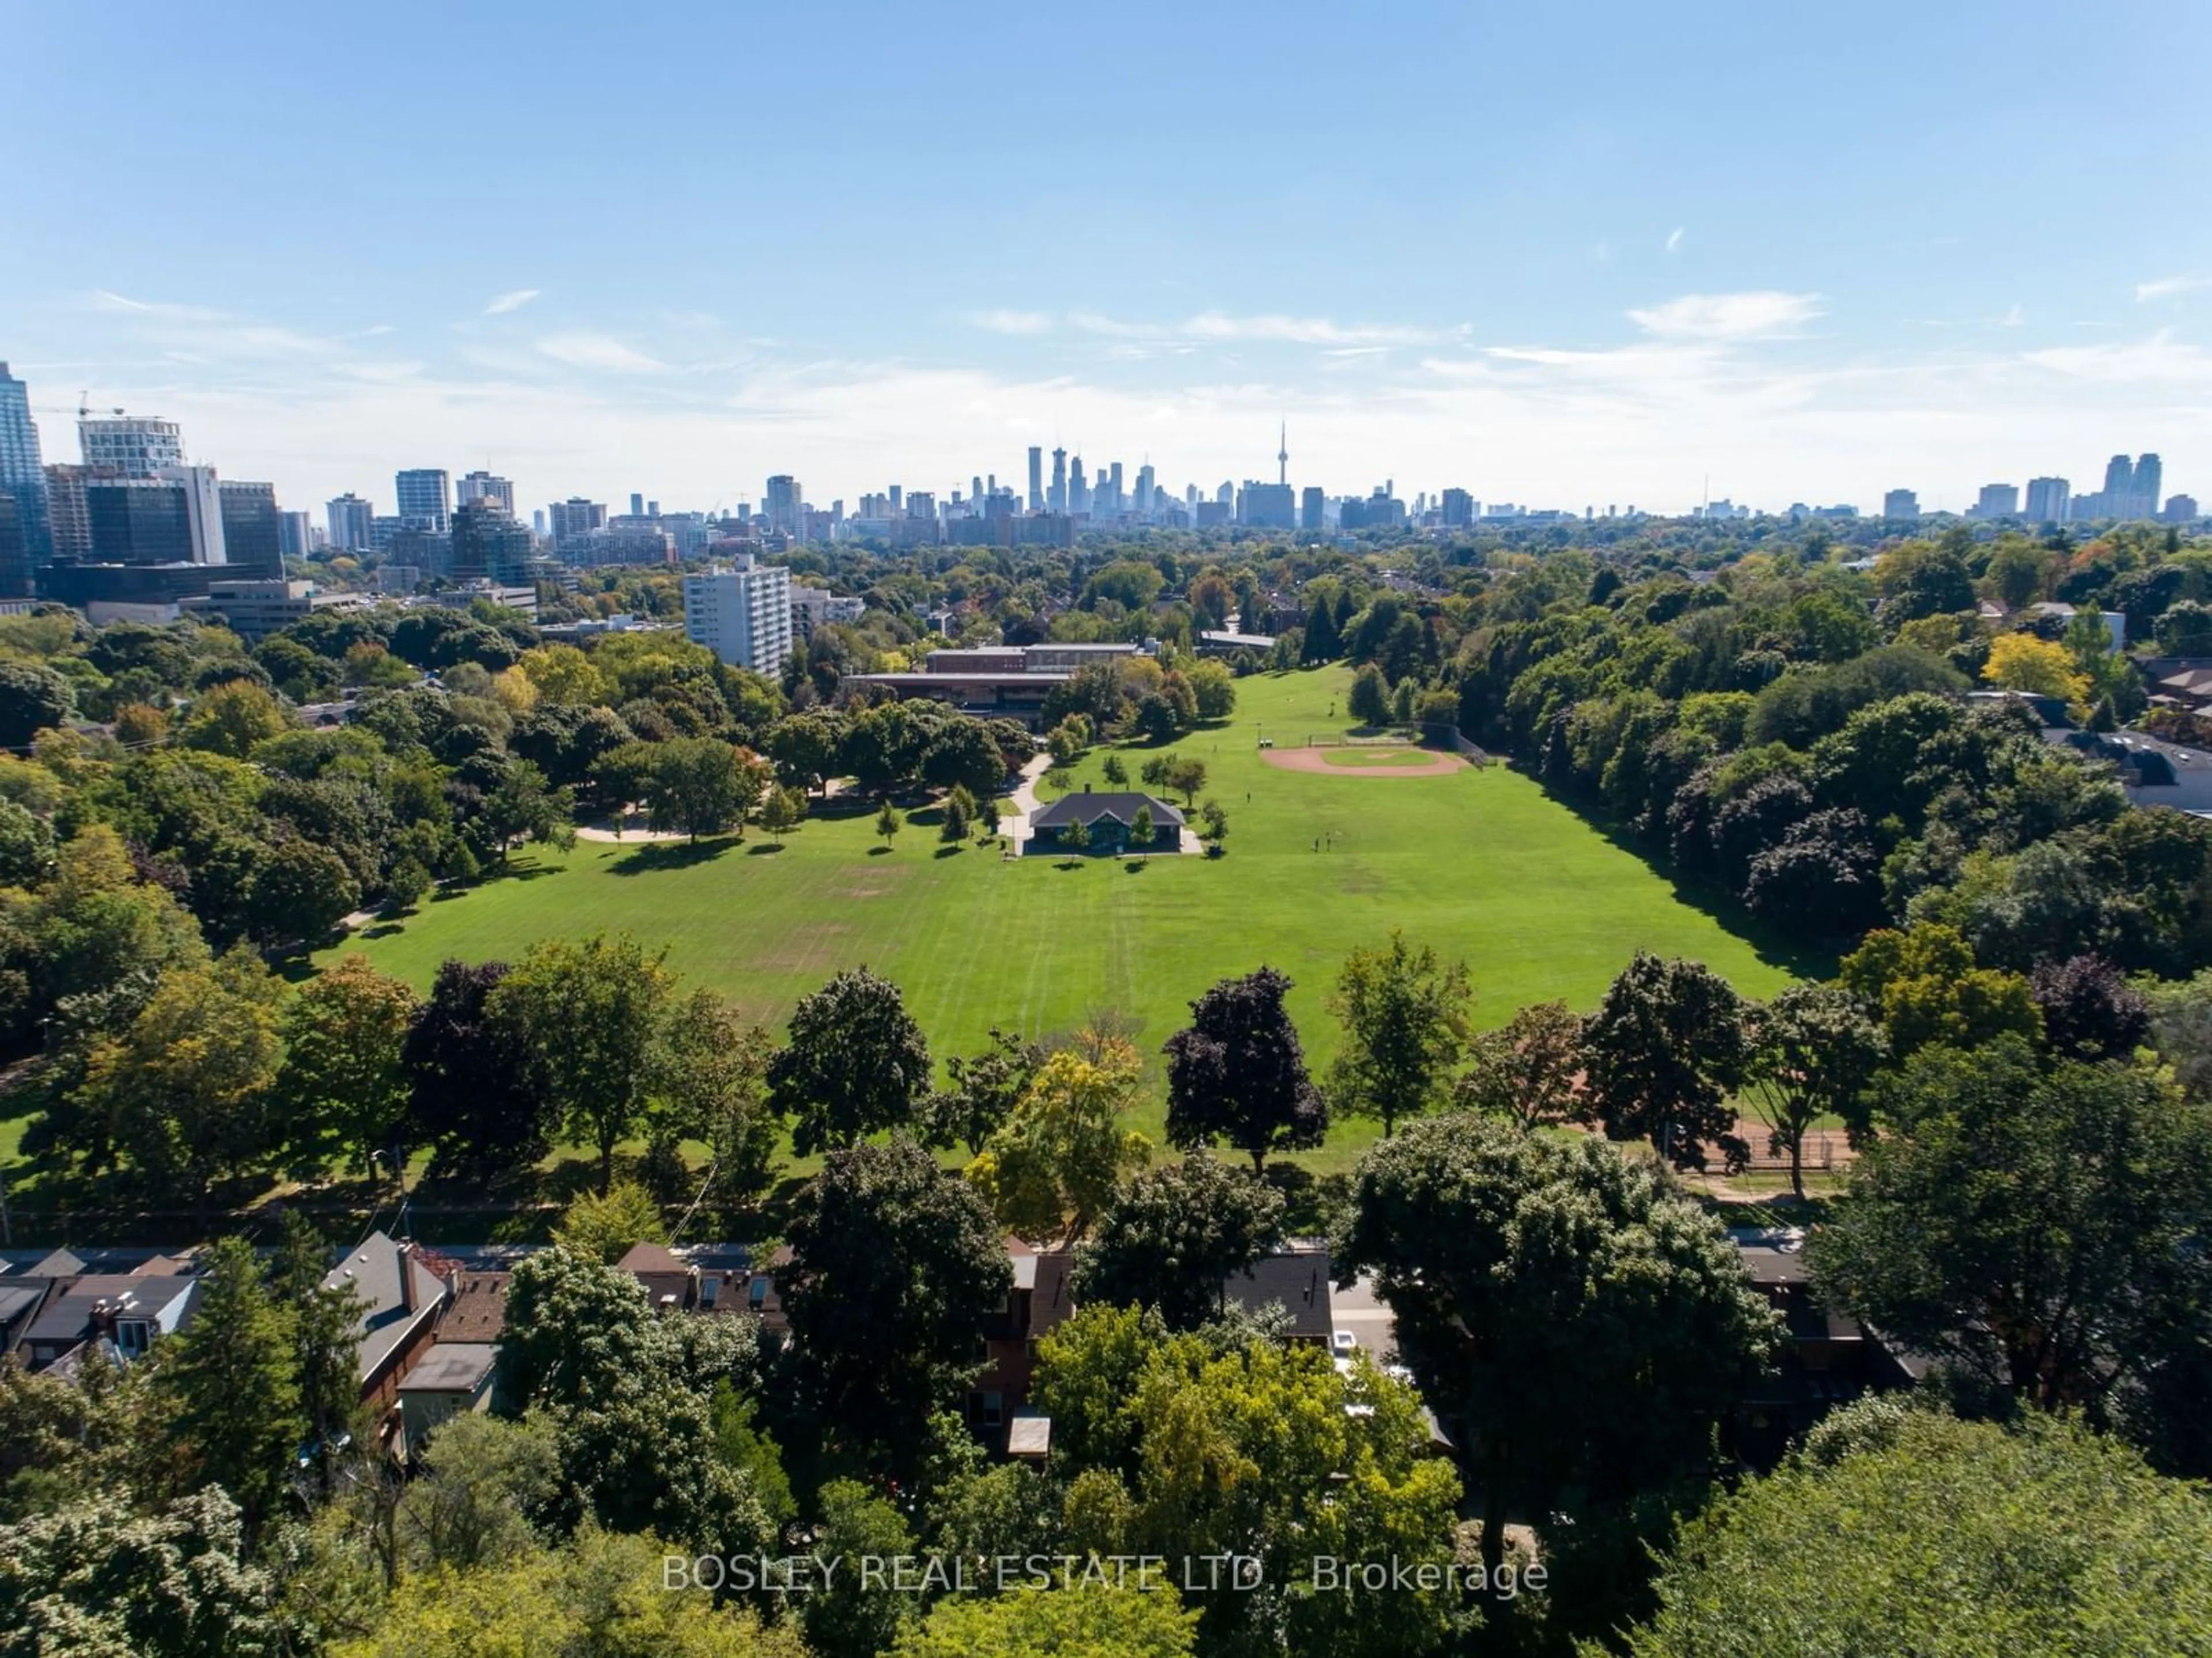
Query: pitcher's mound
[(1363, 762)]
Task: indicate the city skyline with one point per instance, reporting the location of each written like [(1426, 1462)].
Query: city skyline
[(1525, 265)]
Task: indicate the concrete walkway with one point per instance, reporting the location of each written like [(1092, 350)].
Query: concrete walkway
[(1025, 801)]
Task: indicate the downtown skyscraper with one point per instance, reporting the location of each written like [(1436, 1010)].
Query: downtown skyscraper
[(24, 479)]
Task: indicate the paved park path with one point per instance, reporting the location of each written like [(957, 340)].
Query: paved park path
[(1025, 801)]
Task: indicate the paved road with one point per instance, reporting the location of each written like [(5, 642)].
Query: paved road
[(1356, 1309)]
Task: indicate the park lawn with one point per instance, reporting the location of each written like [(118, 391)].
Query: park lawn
[(1478, 863)]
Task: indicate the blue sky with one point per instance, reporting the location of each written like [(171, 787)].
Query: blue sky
[(1565, 254)]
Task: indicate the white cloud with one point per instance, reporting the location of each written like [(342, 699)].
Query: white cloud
[(1013, 322), (1762, 313), (1273, 327), (2159, 359), (599, 351), (514, 299), (2168, 287), (1674, 240), (1300, 330)]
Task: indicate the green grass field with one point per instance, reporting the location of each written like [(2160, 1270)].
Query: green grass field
[(1478, 863)]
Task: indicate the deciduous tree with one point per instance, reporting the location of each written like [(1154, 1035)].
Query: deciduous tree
[(854, 1063), (190, 1083), (1535, 1283), (983, 1090), (1814, 1053), (1238, 1073), (1054, 1162), (1171, 1236), (588, 1012), (1528, 1069), (1662, 1054), (2033, 1226), (703, 786), (1941, 1536), (475, 1088), (894, 1267), (345, 1077), (1404, 1015)]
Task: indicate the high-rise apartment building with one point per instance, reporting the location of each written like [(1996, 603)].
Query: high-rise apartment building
[(742, 613), (295, 534), (2150, 484), (1267, 507), (1036, 478), (1313, 508), (21, 474), (1056, 499), (488, 545), (1079, 491), (16, 567), (2048, 500), (425, 498), (483, 487), (352, 524), (134, 448), (785, 506), (68, 528), (2180, 509), (1900, 503), (252, 535), (1996, 501), (574, 517), (2131, 490), (174, 518)]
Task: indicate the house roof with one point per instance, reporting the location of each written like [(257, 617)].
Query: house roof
[(477, 1311), (388, 1311), (452, 1367), (1296, 1279), (20, 1297), (1051, 1304), (651, 1258), (67, 1315), (1088, 807), (1771, 1254)]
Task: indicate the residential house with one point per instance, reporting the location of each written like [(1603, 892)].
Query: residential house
[(476, 1307), (1296, 1277), (453, 1378), (400, 1297), (1827, 1358), (22, 1296), (1038, 1305), (671, 1283), (129, 1310)]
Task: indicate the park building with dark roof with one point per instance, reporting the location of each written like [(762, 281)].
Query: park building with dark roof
[(1108, 819)]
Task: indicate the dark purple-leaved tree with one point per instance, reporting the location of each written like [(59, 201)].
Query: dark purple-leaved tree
[(1238, 1074)]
